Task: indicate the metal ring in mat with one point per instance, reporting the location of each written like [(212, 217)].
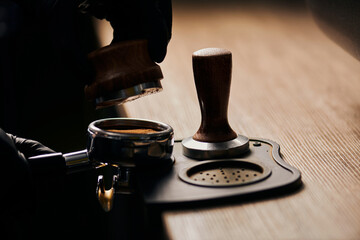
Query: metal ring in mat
[(225, 173)]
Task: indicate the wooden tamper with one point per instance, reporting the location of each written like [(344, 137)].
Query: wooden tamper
[(215, 138), (123, 71)]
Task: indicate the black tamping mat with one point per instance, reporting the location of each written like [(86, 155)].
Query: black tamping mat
[(217, 163), (257, 171)]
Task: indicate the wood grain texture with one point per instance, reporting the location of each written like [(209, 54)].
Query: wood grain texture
[(290, 84)]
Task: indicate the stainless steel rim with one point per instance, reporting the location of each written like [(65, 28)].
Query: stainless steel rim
[(128, 94), (129, 149), (252, 171), (205, 150), (163, 130)]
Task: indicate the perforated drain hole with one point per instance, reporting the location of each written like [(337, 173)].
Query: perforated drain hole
[(225, 173)]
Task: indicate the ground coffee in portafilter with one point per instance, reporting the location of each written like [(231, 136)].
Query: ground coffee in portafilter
[(133, 131)]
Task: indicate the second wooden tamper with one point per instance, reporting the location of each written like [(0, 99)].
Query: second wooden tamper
[(215, 138), (123, 71)]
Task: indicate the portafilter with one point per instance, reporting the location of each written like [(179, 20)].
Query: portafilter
[(128, 145)]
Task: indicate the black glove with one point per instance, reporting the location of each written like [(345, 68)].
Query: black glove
[(18, 195), (136, 19)]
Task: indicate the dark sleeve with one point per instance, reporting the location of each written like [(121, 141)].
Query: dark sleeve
[(136, 19), (16, 179), (29, 147)]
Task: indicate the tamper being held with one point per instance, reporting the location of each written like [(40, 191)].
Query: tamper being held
[(124, 71), (215, 138)]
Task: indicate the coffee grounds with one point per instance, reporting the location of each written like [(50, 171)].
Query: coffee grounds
[(133, 131)]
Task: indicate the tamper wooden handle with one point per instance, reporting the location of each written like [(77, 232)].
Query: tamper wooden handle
[(212, 73)]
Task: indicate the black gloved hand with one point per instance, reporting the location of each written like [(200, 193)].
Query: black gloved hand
[(136, 19), (18, 195)]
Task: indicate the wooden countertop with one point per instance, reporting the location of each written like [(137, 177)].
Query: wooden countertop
[(290, 84)]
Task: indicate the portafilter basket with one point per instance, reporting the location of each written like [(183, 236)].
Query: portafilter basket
[(130, 142), (131, 146)]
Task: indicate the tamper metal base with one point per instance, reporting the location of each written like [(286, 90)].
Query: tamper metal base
[(128, 94), (205, 150)]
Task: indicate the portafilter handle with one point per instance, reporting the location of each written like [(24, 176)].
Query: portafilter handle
[(59, 162), (215, 138)]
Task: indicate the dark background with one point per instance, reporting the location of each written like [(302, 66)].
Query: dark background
[(43, 69)]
